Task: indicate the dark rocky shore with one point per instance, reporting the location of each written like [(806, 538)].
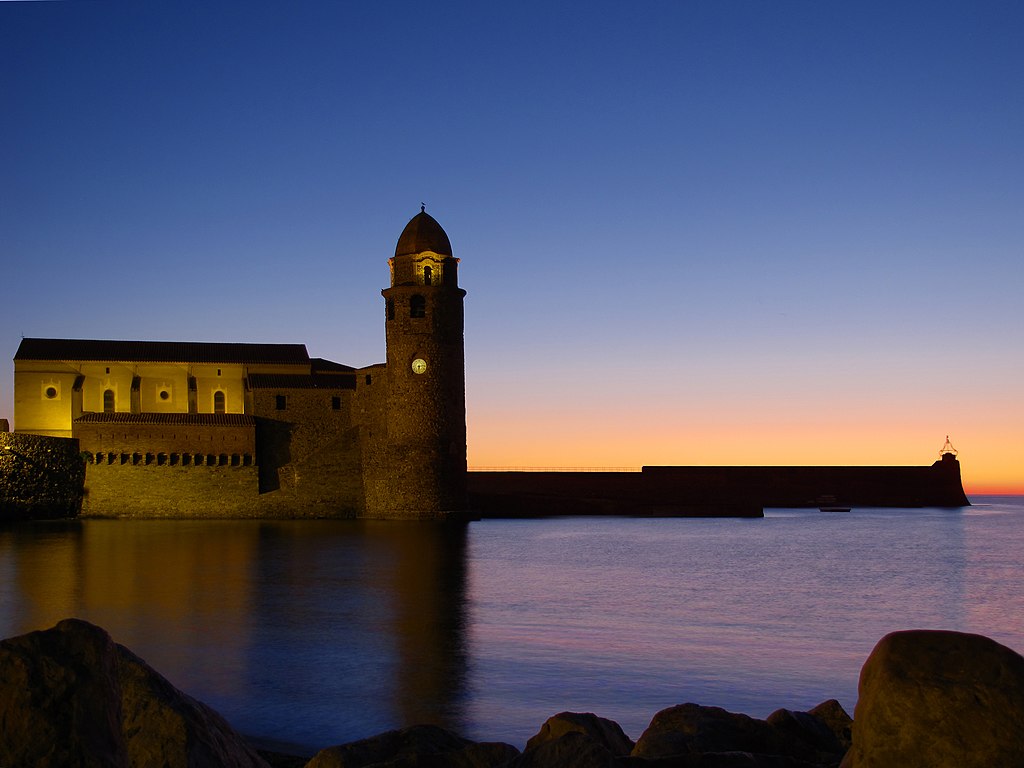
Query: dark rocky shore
[(71, 696)]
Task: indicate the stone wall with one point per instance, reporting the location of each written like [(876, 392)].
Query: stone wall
[(40, 477), (140, 490), (369, 414), (307, 424), (299, 461), (325, 484)]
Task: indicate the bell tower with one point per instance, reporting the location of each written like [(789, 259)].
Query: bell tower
[(424, 473)]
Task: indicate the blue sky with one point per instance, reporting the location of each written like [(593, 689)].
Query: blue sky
[(690, 232)]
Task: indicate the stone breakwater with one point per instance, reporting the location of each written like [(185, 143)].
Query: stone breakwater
[(71, 696)]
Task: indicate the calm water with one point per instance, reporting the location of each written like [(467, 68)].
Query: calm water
[(316, 633)]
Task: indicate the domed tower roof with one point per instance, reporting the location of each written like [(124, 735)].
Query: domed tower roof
[(423, 233)]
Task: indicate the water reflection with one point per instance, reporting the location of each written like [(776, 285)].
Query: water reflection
[(298, 630), (321, 632), (628, 617)]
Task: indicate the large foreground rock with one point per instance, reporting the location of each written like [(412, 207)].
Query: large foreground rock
[(938, 699), (70, 696)]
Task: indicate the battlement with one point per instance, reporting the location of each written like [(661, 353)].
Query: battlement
[(113, 458)]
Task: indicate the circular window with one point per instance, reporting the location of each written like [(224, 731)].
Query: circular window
[(164, 394), (51, 392)]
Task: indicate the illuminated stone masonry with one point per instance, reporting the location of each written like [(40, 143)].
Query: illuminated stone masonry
[(204, 429)]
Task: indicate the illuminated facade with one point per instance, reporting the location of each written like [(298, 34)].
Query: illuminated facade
[(57, 381), (304, 436)]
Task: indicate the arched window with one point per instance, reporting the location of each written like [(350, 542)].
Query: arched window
[(218, 401), (391, 309), (108, 401), (428, 274), (417, 306)]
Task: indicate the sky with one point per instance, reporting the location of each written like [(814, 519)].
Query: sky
[(719, 232)]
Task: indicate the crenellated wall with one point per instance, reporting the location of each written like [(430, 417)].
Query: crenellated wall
[(166, 434), (325, 483)]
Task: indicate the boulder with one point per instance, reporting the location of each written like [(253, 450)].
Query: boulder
[(60, 700), (836, 719), (164, 727), (803, 728), (693, 735), (937, 699), (718, 760), (70, 696), (691, 728), (573, 749), (419, 746), (606, 732)]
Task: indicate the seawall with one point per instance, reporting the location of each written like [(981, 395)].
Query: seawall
[(713, 491), (326, 484)]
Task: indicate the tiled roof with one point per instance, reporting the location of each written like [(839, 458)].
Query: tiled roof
[(160, 351), (329, 366), (313, 381), (171, 419)]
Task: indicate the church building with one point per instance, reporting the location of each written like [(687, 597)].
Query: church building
[(263, 430)]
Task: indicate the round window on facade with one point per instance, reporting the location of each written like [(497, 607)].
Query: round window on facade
[(50, 392), (164, 394)]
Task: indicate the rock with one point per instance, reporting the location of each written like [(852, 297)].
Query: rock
[(70, 696), (419, 745), (606, 732), (937, 699), (573, 749), (804, 728), (691, 728), (718, 760), (60, 701), (283, 759), (484, 754), (835, 718), (710, 736), (164, 727)]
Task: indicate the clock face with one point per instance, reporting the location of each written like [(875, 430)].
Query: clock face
[(419, 365)]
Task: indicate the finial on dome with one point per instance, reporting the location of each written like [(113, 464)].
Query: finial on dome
[(423, 207)]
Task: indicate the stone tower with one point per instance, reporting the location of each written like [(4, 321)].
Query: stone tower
[(423, 474)]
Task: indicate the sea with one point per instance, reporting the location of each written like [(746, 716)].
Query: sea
[(306, 634)]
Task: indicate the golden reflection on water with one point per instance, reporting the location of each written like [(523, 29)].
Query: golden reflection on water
[(221, 607), (187, 584)]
